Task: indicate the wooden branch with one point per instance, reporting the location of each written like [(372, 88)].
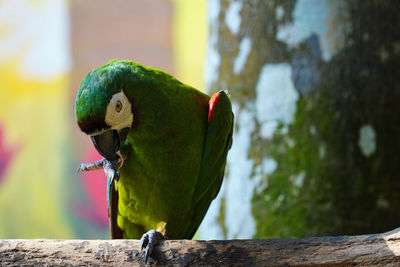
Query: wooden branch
[(370, 250)]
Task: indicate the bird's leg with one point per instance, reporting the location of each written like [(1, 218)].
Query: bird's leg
[(110, 167), (97, 165), (151, 238)]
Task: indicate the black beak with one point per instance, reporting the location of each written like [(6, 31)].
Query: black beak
[(109, 143)]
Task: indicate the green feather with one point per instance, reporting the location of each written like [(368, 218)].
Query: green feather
[(175, 158)]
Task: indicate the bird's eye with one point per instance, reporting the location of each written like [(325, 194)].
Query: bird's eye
[(118, 106)]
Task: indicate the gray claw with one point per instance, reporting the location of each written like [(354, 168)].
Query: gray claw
[(143, 241), (150, 240)]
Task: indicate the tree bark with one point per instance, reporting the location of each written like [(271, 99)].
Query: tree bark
[(372, 250), (315, 87)]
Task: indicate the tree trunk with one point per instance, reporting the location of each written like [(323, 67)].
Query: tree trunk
[(315, 87), (365, 250)]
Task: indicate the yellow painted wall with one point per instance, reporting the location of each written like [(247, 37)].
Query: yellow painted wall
[(33, 116), (40, 194), (33, 119), (190, 33)]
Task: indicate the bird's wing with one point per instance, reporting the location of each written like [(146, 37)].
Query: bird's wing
[(218, 142)]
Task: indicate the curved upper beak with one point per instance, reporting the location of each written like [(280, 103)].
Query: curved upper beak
[(109, 142)]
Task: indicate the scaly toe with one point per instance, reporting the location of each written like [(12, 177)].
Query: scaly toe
[(149, 240)]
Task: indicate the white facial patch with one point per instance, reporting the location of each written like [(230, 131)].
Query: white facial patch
[(119, 112)]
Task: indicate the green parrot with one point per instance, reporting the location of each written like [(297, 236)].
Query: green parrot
[(164, 145)]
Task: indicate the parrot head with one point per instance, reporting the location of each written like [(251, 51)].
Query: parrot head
[(103, 111)]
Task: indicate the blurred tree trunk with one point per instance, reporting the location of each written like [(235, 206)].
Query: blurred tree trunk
[(316, 92)]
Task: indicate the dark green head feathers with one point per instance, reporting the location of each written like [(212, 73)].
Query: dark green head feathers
[(99, 86), (95, 92)]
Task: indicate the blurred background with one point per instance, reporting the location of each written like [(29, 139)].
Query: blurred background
[(314, 84), (46, 48)]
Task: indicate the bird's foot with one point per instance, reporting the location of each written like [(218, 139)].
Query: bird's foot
[(149, 240), (97, 165), (110, 168)]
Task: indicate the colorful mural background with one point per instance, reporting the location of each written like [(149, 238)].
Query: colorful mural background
[(46, 47)]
